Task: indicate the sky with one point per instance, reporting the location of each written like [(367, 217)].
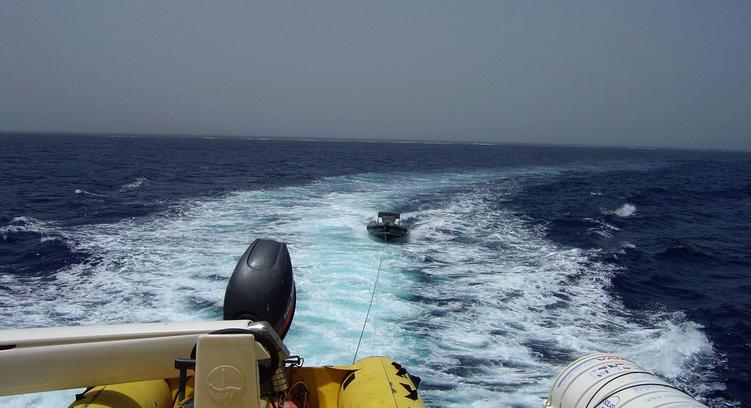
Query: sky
[(635, 73)]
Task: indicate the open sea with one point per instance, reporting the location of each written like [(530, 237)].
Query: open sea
[(520, 259)]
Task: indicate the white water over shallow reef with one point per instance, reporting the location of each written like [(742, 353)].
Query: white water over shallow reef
[(478, 303)]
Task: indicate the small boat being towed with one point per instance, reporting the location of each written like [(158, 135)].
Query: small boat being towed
[(239, 362), (387, 226)]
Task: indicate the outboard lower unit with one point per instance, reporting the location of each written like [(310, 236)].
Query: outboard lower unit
[(261, 287)]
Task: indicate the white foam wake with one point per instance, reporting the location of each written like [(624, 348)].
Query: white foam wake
[(478, 302), (506, 310)]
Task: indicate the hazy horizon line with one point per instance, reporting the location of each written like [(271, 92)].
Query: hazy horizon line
[(367, 140)]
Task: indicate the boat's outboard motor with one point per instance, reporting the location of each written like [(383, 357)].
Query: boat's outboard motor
[(262, 287)]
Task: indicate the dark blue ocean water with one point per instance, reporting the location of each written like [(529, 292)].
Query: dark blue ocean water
[(647, 252)]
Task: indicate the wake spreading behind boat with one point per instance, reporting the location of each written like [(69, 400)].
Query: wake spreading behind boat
[(242, 361), (387, 226), (239, 362)]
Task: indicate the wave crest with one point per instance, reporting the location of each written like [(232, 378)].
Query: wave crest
[(133, 185), (88, 193), (626, 210)]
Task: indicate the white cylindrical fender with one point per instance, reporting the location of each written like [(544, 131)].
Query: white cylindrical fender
[(609, 381)]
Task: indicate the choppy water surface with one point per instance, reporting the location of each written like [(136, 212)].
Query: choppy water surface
[(520, 258)]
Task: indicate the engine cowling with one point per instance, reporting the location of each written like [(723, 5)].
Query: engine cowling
[(262, 287)]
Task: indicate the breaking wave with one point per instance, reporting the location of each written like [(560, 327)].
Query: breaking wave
[(133, 185), (626, 210), (88, 193)]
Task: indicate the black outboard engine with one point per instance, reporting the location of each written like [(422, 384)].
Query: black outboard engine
[(262, 287)]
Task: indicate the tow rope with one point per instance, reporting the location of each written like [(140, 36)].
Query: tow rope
[(372, 296)]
